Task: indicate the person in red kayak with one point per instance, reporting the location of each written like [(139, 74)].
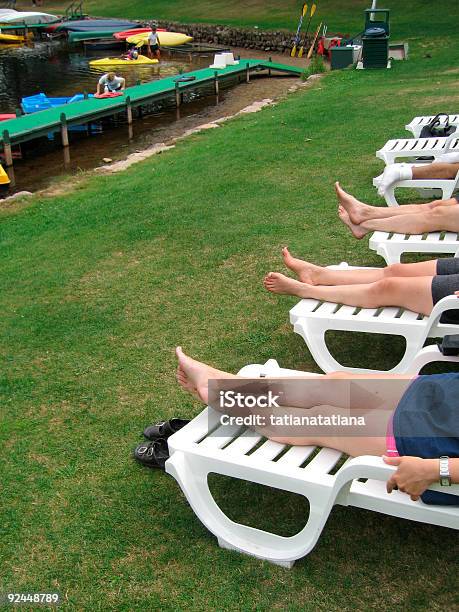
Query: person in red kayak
[(153, 43)]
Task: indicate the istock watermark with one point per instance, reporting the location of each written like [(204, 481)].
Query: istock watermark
[(314, 406)]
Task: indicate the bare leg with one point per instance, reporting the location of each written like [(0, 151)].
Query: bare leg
[(353, 445), (359, 211), (412, 293), (441, 218), (345, 393), (194, 375), (436, 170), (317, 275)]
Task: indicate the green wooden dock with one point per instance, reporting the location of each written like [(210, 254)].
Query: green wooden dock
[(27, 127)]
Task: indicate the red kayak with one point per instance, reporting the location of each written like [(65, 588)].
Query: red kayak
[(128, 33), (6, 116)]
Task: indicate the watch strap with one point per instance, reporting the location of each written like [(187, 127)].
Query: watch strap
[(445, 476)]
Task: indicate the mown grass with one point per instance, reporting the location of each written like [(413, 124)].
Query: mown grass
[(412, 18), (99, 285)]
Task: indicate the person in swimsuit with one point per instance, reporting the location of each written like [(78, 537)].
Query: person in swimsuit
[(420, 428)]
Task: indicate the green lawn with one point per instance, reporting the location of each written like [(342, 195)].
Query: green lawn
[(98, 286), (407, 16)]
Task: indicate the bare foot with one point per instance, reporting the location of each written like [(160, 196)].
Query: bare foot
[(357, 230), (357, 210), (306, 272), (194, 376), (278, 283)]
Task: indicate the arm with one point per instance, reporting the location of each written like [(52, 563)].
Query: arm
[(98, 89), (123, 84), (414, 475)]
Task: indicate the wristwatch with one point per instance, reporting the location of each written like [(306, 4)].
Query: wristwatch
[(445, 477)]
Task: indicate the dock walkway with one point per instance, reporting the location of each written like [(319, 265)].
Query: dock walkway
[(28, 127)]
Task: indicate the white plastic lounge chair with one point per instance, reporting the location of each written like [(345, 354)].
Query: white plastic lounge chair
[(412, 148), (311, 319), (392, 246), (416, 125), (441, 188), (304, 470)]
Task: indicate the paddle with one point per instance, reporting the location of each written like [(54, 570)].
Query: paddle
[(304, 10), (314, 41), (313, 10)]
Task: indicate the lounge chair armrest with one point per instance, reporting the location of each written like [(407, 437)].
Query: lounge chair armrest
[(449, 302), (450, 139), (374, 467)]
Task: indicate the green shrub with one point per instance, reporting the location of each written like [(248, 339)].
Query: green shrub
[(316, 66)]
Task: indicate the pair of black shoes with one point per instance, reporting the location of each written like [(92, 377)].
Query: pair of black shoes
[(155, 452)]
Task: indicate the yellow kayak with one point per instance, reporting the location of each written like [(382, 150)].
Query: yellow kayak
[(11, 39), (168, 39), (117, 61), (4, 178)]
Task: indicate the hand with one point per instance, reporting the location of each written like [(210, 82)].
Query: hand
[(456, 293), (413, 476)]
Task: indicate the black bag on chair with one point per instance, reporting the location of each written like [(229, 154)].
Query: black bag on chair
[(436, 129)]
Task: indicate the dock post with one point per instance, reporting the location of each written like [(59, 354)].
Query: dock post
[(64, 131), (247, 73), (18, 112), (270, 60), (85, 95), (7, 148), (216, 83), (129, 110), (178, 98)]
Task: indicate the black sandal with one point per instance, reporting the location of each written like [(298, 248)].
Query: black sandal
[(152, 454), (164, 429)]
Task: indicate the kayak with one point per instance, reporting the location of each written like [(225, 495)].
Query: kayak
[(4, 178), (86, 25), (74, 37), (27, 18), (6, 39), (166, 39), (117, 61), (128, 33)]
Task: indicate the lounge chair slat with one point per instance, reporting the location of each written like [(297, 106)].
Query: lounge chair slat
[(347, 311), (221, 436), (326, 308), (324, 461), (433, 237), (366, 313), (268, 450), (409, 315), (243, 444), (389, 312), (296, 455)]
